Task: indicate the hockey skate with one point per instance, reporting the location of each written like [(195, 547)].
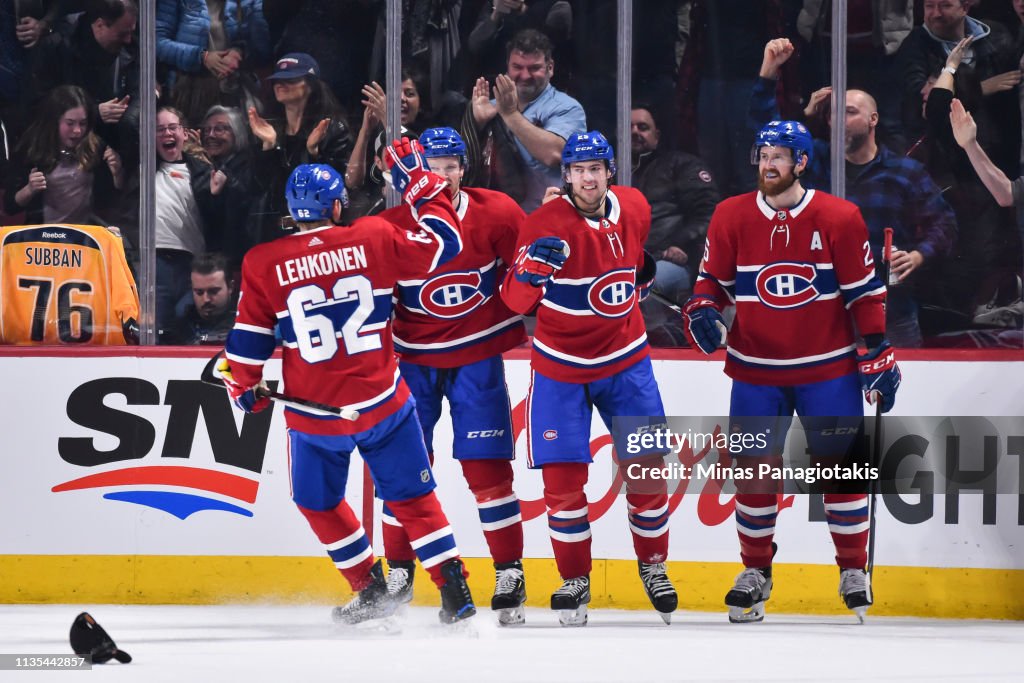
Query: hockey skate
[(456, 600), (571, 601), (855, 590), (400, 576), (746, 599), (659, 589), (509, 593), (371, 603)]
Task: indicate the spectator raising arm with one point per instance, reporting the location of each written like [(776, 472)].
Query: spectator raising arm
[(966, 133), (544, 146)]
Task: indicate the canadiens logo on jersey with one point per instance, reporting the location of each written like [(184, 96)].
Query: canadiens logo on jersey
[(452, 295), (786, 285), (611, 295)]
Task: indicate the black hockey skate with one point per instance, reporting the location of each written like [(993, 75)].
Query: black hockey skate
[(456, 601), (373, 602), (746, 599), (509, 593), (571, 601), (400, 576), (659, 589), (855, 589)]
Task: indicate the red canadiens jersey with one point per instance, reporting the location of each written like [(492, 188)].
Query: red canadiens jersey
[(799, 278), (454, 316), (588, 322), (328, 291)]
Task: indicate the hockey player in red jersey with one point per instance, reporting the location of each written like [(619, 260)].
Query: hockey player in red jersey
[(450, 328), (797, 266), (327, 288), (580, 266)]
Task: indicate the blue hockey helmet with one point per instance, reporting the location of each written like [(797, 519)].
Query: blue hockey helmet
[(311, 191), (443, 142), (791, 134), (587, 147)]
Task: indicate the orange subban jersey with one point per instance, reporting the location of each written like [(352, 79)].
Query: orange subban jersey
[(65, 284)]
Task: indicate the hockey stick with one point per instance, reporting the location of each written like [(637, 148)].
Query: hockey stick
[(877, 445), (209, 376), (666, 301)]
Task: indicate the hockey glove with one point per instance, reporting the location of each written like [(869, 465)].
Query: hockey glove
[(542, 259), (246, 398), (879, 375), (704, 325), (645, 277), (409, 173)]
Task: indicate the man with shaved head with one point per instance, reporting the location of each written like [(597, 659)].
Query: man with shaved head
[(891, 191)]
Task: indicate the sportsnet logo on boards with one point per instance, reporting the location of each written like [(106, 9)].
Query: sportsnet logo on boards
[(612, 294), (452, 295), (786, 285), (168, 476)]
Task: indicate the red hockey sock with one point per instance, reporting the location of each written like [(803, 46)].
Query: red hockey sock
[(568, 523), (429, 532), (847, 517), (498, 507), (396, 541), (345, 541), (755, 524), (648, 523)]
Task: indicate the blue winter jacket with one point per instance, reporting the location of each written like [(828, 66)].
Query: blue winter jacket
[(183, 31)]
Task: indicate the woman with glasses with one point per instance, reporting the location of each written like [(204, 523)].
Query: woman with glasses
[(189, 210), (61, 171)]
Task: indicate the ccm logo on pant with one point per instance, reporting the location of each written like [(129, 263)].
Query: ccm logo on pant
[(485, 433)]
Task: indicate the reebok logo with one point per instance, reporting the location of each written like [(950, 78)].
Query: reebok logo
[(55, 235)]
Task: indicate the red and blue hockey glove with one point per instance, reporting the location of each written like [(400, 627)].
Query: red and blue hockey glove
[(246, 398), (409, 172), (879, 375), (542, 259), (704, 325), (645, 277)]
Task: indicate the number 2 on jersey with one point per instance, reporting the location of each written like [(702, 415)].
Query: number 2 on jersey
[(317, 334)]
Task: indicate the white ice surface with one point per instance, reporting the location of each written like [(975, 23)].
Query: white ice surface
[(243, 644)]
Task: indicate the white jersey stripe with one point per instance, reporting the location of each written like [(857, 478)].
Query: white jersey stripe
[(791, 361), (642, 339), (562, 309), (461, 340)]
